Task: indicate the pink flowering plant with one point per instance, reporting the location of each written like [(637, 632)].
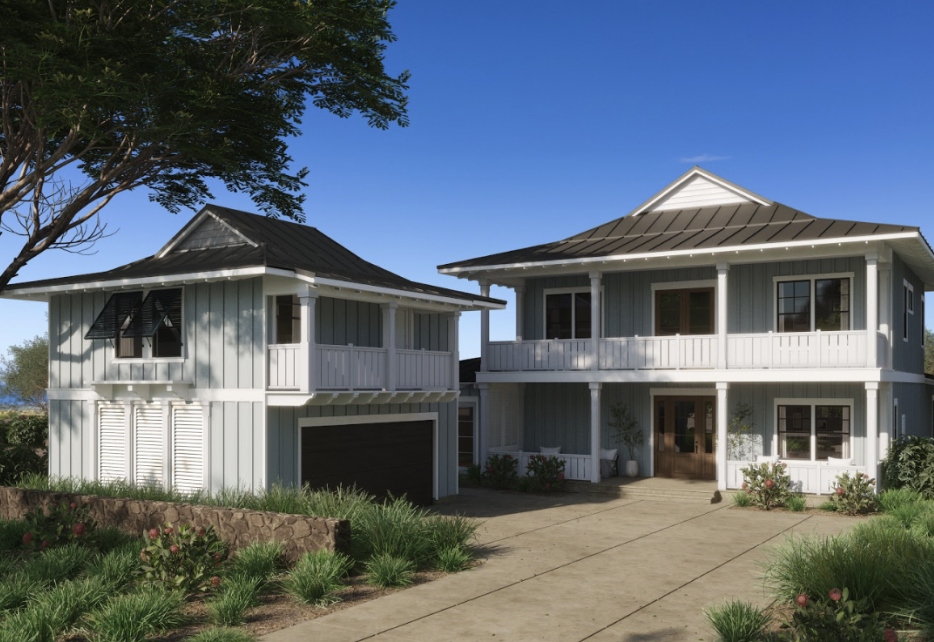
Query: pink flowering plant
[(545, 473), (768, 485), (501, 471), (834, 617), (64, 522), (183, 557), (854, 494)]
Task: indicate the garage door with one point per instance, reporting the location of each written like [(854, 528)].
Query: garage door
[(380, 458)]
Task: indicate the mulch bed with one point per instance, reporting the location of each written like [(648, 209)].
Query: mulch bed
[(806, 511)]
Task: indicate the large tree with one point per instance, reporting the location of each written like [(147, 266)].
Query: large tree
[(24, 373), (928, 351), (101, 97)]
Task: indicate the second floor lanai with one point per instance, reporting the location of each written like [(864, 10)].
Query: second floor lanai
[(712, 281)]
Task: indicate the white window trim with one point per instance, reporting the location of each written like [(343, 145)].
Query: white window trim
[(812, 401), (897, 418), (584, 289), (813, 278), (474, 403), (147, 345), (908, 296), (688, 285)]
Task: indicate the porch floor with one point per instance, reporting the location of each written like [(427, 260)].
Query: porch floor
[(662, 488)]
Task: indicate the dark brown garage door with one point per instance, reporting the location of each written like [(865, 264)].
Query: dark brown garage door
[(379, 458)]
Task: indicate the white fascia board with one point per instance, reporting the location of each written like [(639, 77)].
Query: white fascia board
[(405, 294), (42, 293), (696, 252)]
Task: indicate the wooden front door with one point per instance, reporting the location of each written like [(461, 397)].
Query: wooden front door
[(685, 433)]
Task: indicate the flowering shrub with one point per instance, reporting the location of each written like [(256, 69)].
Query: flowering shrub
[(545, 472), (183, 557), (501, 471), (835, 617), (65, 522), (854, 495), (768, 484)]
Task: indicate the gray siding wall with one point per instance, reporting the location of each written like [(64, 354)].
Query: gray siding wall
[(339, 322), (914, 402), (431, 332), (236, 440), (70, 438), (907, 356), (283, 437), (223, 340)]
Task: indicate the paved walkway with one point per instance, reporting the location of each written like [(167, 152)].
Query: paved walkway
[(579, 567)]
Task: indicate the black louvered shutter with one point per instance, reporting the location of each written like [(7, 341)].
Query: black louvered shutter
[(114, 315), (152, 313)]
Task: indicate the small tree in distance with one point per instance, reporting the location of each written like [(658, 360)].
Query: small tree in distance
[(24, 374)]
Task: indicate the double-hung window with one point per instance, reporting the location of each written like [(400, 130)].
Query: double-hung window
[(807, 304), (567, 314), (684, 311), (141, 325), (814, 430)]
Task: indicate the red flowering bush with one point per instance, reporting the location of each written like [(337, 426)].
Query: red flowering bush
[(854, 495), (184, 557), (501, 471), (768, 484), (63, 523), (545, 473), (835, 617)]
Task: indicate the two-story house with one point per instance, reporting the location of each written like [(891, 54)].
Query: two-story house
[(250, 351), (706, 298)]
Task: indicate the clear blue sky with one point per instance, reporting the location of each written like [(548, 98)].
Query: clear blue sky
[(532, 121)]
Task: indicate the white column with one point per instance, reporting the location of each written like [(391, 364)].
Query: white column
[(872, 429), (389, 342), (595, 432), (885, 419), (520, 311), (484, 328), (723, 271), (453, 342), (886, 311), (723, 416), (306, 351), (520, 437), (595, 307), (872, 309), (484, 436)]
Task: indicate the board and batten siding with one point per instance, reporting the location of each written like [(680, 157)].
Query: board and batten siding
[(339, 322), (237, 445), (71, 438), (223, 340), (283, 437), (907, 356), (915, 405)]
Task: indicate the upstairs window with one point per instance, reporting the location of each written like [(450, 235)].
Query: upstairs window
[(288, 319), (816, 303), (567, 315), (129, 318), (908, 307), (685, 311)]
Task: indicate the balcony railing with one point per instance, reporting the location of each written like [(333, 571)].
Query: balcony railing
[(772, 350), (355, 368)]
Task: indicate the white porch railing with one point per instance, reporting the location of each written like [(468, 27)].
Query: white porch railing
[(575, 466), (350, 367), (806, 476), (556, 354), (798, 350), (662, 353), (283, 367), (423, 369)]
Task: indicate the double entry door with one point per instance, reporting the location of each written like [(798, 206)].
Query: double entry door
[(685, 433)]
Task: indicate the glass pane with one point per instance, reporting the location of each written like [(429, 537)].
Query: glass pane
[(700, 312), (794, 431), (288, 319), (660, 422), (708, 427), (684, 426), (832, 425), (794, 306), (558, 316), (831, 305), (582, 315), (669, 313)]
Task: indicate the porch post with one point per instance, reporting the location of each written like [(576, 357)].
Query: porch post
[(872, 429), (872, 309), (885, 419), (306, 350), (885, 313), (484, 328), (595, 432), (454, 345), (389, 342), (595, 308), (520, 311), (722, 421), (483, 439), (723, 270)]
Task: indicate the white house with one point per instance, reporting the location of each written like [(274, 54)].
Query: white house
[(704, 297), (250, 351)]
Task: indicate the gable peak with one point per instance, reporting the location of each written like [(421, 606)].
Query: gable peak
[(699, 188)]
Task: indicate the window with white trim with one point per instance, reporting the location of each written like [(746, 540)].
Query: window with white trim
[(814, 430), (129, 318), (895, 418), (807, 304), (288, 327), (909, 306), (567, 314)]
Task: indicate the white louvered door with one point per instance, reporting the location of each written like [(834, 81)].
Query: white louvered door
[(111, 442), (187, 448), (149, 447)]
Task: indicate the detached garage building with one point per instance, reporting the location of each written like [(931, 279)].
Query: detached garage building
[(250, 351)]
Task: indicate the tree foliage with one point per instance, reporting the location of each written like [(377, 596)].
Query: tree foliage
[(24, 374), (928, 351), (100, 97)]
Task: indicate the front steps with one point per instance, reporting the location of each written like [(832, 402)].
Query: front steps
[(649, 488)]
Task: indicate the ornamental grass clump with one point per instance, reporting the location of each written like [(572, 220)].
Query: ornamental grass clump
[(452, 559), (235, 596), (50, 614), (390, 571), (137, 616), (737, 621), (221, 635), (396, 527), (767, 484), (796, 503), (854, 495), (182, 557), (317, 576), (259, 560), (741, 500)]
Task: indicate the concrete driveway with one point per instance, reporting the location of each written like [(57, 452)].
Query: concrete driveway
[(579, 567)]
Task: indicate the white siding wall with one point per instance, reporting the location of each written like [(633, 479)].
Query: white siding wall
[(699, 192)]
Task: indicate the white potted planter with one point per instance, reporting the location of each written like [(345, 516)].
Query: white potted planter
[(628, 433), (632, 468)]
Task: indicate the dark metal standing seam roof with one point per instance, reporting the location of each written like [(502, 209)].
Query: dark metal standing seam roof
[(695, 228), (280, 244)]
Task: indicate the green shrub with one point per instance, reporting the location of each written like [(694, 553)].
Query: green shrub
[(137, 616), (452, 559), (31, 431), (182, 557), (317, 576), (924, 523), (835, 617), (236, 595), (11, 534), (910, 464), (23, 447), (854, 495), (908, 514), (796, 503), (545, 472), (450, 532), (390, 571), (767, 484), (742, 500), (501, 471), (63, 522), (737, 621), (221, 635), (259, 560), (475, 474), (894, 498), (828, 506)]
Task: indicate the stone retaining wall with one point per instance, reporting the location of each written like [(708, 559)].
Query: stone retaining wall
[(298, 533)]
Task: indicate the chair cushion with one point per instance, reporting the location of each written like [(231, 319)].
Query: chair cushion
[(607, 453), (544, 450)]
